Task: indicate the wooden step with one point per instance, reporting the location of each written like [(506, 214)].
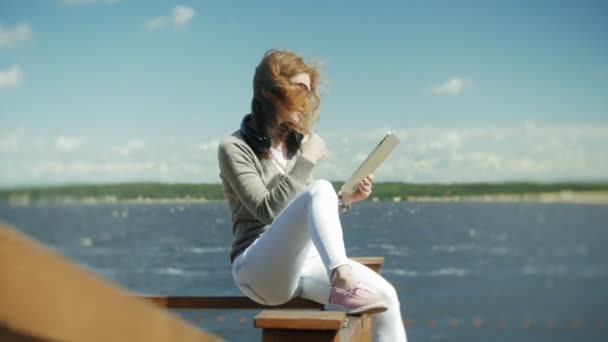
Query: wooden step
[(300, 326), (359, 329), (324, 326)]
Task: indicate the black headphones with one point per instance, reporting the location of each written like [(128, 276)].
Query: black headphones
[(260, 143)]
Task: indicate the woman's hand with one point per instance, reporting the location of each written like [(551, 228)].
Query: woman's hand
[(313, 147), (364, 189)]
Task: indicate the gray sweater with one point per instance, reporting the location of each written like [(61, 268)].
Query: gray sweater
[(255, 189)]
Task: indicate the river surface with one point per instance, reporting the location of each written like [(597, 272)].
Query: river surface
[(464, 271)]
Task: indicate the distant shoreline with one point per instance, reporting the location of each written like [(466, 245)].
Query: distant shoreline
[(159, 193), (572, 197)]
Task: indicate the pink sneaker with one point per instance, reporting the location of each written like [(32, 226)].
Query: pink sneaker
[(355, 301)]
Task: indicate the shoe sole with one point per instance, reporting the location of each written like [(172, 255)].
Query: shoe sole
[(370, 309)]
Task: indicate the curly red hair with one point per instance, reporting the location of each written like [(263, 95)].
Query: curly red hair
[(274, 94)]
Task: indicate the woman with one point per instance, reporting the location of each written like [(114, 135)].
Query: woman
[(287, 235)]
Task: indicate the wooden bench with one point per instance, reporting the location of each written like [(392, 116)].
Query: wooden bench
[(283, 322), (242, 302)]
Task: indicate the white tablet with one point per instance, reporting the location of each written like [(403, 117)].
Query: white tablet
[(371, 163)]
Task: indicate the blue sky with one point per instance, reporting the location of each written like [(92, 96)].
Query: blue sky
[(126, 90)]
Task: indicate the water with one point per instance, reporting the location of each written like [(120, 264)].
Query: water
[(463, 271)]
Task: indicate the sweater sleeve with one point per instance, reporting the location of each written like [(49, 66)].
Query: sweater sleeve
[(238, 168)]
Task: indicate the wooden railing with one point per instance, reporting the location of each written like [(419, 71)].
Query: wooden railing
[(44, 297)]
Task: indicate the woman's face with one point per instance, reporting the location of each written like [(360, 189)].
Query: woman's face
[(303, 79)]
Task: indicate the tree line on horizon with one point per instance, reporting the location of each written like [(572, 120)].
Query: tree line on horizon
[(381, 191)]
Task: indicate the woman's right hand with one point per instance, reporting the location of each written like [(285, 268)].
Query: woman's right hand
[(313, 147)]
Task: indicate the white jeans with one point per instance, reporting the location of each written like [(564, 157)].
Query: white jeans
[(295, 256)]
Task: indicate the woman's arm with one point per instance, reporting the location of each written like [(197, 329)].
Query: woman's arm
[(238, 167)]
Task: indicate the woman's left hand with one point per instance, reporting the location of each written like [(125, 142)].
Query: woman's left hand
[(364, 189)]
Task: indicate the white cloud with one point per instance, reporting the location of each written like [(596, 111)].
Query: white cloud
[(131, 147), (208, 146), (483, 160), (156, 24), (180, 17), (17, 36), (40, 143), (77, 169), (57, 171), (453, 86), (431, 154), (451, 141), (11, 141), (86, 2), (68, 144), (493, 154), (11, 78), (529, 124)]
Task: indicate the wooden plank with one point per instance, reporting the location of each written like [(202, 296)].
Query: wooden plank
[(45, 297), (225, 302), (300, 320)]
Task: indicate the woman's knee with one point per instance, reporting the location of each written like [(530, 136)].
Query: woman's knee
[(324, 188), (389, 293), (277, 297)]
